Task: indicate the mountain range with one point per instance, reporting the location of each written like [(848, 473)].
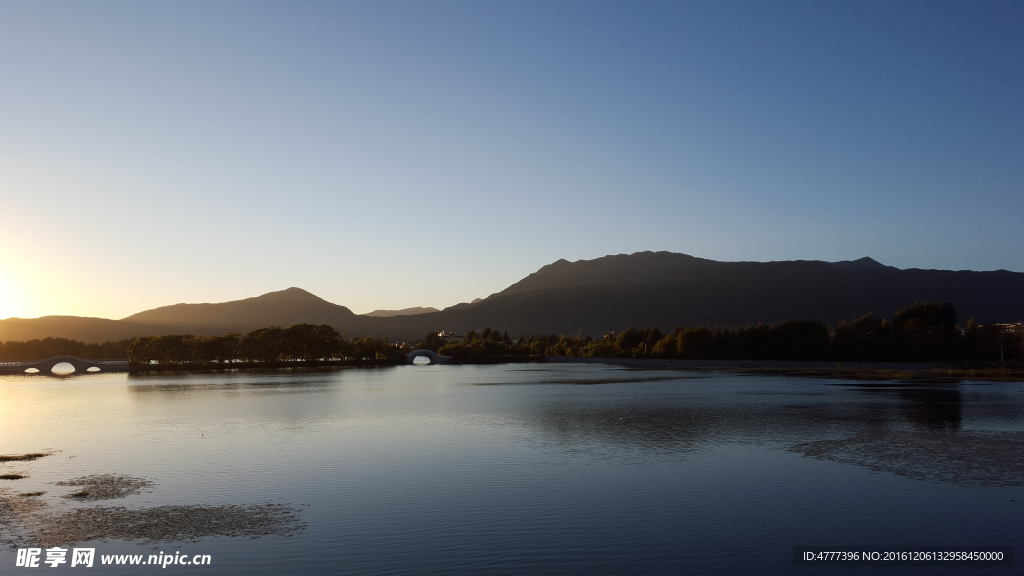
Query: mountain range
[(596, 296)]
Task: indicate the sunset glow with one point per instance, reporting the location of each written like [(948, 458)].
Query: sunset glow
[(9, 302), (162, 171)]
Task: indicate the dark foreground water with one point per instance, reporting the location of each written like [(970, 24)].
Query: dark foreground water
[(530, 469)]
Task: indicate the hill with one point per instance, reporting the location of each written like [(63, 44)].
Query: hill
[(90, 330), (402, 312), (597, 296), (282, 308)]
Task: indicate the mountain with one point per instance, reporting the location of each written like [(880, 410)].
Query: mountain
[(402, 312), (282, 308), (74, 328), (611, 293), (638, 268), (864, 262), (597, 296)]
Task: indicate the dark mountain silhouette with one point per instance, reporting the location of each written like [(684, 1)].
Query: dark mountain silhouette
[(666, 290), (638, 268), (79, 328), (402, 312), (864, 262), (597, 296), (283, 308)]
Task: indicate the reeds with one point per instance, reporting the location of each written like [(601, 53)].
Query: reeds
[(22, 457)]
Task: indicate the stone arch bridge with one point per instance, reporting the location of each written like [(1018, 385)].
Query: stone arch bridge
[(81, 366), (434, 357)]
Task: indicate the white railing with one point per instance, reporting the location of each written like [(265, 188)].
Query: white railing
[(108, 361)]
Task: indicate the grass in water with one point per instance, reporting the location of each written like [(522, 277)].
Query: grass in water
[(166, 523), (106, 486), (21, 457), (28, 494), (11, 476)]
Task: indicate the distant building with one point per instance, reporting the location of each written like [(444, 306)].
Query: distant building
[(1016, 328), (449, 336)]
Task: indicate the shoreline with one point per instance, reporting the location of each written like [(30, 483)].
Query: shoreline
[(754, 364), (878, 371), (910, 371)]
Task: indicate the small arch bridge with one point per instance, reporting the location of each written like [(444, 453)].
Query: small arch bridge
[(434, 357), (81, 365)]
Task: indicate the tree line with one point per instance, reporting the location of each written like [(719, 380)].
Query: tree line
[(301, 342), (920, 332), (926, 331), (14, 351)]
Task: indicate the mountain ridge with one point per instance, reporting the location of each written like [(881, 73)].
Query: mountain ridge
[(402, 312), (662, 289), (293, 305)]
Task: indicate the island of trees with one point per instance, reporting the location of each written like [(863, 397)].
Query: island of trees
[(922, 332), (50, 347), (298, 343)]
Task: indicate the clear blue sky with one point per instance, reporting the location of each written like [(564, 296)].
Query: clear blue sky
[(392, 154)]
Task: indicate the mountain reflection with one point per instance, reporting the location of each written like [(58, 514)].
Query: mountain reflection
[(914, 432), (179, 383), (960, 434), (672, 429)]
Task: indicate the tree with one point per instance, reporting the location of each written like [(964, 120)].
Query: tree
[(926, 331)]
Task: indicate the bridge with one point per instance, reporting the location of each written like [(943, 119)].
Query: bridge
[(75, 365), (434, 357)]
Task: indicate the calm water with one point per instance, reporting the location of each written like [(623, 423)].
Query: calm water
[(537, 469)]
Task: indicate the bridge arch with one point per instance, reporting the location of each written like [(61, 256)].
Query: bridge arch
[(434, 357), (81, 366)]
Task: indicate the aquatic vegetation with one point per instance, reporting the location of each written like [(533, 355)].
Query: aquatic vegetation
[(166, 523), (15, 512), (12, 476), (105, 486), (22, 457), (968, 458), (27, 521)]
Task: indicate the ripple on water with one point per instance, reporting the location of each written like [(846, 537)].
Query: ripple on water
[(969, 458)]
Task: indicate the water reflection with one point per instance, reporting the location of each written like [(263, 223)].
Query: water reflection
[(917, 431), (641, 428), (284, 380), (268, 386), (914, 431), (933, 408), (533, 469), (62, 369)]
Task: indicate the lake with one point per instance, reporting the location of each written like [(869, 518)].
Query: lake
[(525, 469)]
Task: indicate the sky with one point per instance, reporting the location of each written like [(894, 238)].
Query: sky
[(392, 154)]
